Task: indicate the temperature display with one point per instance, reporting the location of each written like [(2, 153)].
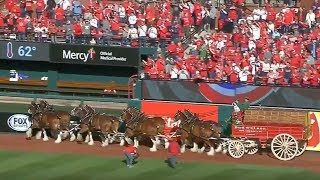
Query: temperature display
[(24, 51)]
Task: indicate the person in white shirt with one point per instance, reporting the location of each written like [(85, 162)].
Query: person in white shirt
[(153, 34), (174, 72), (256, 14), (37, 30), (64, 4), (221, 45), (132, 33), (142, 30), (122, 13), (132, 19), (243, 75), (255, 32), (252, 45), (265, 67), (93, 41), (263, 13), (235, 67), (183, 73), (310, 18), (274, 65), (270, 27), (44, 34), (208, 41)]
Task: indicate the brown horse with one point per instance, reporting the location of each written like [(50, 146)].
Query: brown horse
[(105, 125), (138, 125), (45, 106), (55, 121), (197, 131)]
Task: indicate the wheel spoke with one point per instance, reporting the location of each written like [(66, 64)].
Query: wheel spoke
[(280, 150), (290, 150), (281, 154), (278, 141), (281, 140), (278, 146), (290, 153), (284, 138), (285, 154)]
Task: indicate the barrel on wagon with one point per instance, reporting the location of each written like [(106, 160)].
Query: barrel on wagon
[(284, 131)]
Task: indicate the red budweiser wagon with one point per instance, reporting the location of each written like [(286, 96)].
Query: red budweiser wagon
[(284, 131)]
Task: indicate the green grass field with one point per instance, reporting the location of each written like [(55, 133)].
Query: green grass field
[(24, 166)]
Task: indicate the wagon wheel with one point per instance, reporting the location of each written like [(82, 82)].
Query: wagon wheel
[(302, 148), (253, 150), (236, 149), (284, 147)]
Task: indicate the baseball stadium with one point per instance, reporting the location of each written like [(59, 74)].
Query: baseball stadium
[(159, 89)]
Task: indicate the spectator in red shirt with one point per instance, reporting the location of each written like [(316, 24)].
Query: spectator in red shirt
[(131, 154), (59, 12), (29, 7), (40, 5), (21, 27), (77, 31), (174, 150)]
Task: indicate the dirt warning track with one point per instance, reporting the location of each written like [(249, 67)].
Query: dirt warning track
[(309, 160)]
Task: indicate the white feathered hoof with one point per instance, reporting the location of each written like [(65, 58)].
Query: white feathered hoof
[(79, 137), (91, 143), (219, 148), (45, 138), (166, 145), (72, 137), (194, 149), (224, 151), (211, 152), (122, 142), (104, 144), (58, 140), (87, 139), (183, 148), (38, 135), (153, 149), (200, 151)]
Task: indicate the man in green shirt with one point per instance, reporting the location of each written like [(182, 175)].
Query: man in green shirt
[(245, 105)]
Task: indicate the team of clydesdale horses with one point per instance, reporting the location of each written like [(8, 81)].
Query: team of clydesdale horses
[(129, 127)]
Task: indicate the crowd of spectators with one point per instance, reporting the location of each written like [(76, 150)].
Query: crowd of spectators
[(263, 47), (98, 22)]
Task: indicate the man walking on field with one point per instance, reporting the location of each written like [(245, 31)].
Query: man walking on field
[(174, 150), (131, 154)]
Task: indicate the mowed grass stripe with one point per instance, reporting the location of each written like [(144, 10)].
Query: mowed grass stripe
[(23, 166), (64, 165)]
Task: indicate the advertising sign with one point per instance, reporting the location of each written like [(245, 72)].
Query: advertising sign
[(95, 55), (314, 140), (28, 51), (14, 122), (167, 110)]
